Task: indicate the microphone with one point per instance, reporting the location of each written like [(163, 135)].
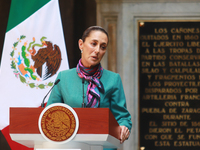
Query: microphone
[(57, 81), (83, 104)]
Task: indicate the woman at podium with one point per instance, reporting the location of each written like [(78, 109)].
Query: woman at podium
[(99, 87)]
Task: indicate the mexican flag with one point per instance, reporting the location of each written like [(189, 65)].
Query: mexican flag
[(34, 52)]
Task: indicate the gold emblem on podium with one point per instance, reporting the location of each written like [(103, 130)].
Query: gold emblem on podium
[(58, 123)]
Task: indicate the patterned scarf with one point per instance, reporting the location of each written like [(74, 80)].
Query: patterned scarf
[(95, 86)]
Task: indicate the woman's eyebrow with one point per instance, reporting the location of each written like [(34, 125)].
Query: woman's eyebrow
[(95, 40)]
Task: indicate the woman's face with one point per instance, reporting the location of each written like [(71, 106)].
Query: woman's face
[(94, 48)]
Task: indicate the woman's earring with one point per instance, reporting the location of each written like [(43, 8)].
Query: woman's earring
[(81, 51)]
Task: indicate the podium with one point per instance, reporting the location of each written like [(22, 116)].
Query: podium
[(98, 129)]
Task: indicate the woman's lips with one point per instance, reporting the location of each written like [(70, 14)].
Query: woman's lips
[(94, 57)]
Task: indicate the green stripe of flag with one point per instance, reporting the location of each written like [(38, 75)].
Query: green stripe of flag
[(21, 10)]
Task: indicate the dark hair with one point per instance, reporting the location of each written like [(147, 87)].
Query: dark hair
[(87, 32)]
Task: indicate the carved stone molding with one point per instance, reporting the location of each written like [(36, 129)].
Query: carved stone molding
[(109, 22), (112, 48)]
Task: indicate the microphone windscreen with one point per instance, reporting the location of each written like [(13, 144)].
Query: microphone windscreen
[(57, 81)]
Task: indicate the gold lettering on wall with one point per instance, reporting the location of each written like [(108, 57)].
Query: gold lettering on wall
[(169, 80)]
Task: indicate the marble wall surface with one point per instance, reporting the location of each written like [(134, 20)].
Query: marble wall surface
[(120, 18)]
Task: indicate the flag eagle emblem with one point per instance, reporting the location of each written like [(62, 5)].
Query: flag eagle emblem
[(34, 62)]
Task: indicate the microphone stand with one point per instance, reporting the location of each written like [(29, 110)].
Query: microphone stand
[(83, 104), (42, 104)]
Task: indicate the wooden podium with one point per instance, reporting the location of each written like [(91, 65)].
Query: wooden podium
[(98, 129)]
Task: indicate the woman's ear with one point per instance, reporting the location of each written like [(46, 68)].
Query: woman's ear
[(80, 44)]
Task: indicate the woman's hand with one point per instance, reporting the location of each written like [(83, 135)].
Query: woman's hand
[(124, 133)]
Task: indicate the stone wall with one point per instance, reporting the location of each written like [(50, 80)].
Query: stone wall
[(120, 18)]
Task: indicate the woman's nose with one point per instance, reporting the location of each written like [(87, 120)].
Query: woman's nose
[(97, 49)]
